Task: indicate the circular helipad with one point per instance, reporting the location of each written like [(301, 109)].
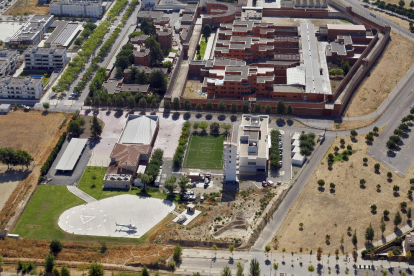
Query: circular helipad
[(119, 216)]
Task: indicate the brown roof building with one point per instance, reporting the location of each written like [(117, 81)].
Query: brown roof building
[(139, 39), (165, 37), (142, 56)]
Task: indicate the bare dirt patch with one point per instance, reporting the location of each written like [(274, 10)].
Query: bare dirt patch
[(348, 125), (9, 179), (396, 60), (396, 20), (27, 7), (329, 212), (29, 131), (193, 89)]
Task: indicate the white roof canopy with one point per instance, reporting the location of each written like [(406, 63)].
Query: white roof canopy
[(71, 155)]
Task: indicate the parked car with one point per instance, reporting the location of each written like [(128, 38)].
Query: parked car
[(202, 199), (264, 183), (206, 181), (270, 183), (279, 183)]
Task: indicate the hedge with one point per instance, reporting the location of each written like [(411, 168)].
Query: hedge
[(179, 152), (46, 166), (274, 150)]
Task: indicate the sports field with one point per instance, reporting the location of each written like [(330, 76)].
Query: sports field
[(204, 152)]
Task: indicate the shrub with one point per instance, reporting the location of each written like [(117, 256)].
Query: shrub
[(336, 72)]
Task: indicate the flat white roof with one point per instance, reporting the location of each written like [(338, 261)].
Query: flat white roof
[(296, 76), (71, 155), (298, 157), (139, 129), (296, 149), (346, 27), (4, 106)]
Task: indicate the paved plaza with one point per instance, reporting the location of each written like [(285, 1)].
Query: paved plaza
[(99, 218)]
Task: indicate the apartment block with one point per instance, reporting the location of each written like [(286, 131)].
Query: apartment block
[(8, 62), (245, 48), (253, 144), (37, 58), (165, 37), (18, 88), (33, 31), (76, 8), (230, 161), (141, 56)]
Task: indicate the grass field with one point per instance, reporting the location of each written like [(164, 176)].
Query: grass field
[(204, 152), (92, 182), (39, 219)]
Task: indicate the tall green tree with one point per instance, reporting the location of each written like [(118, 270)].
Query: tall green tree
[(46, 106), (226, 271), (176, 104), (206, 31), (246, 107), (240, 269), (233, 108), (146, 180), (96, 128), (170, 184), (280, 108), (50, 262), (369, 233), (222, 107), (289, 110), (178, 251), (64, 271), (254, 268), (397, 219), (209, 106), (257, 107), (268, 109), (354, 238), (95, 269)]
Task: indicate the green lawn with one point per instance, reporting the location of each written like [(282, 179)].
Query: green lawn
[(92, 182), (344, 21), (39, 219), (204, 152), (203, 46)]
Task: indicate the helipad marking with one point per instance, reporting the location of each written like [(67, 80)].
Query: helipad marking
[(86, 219)]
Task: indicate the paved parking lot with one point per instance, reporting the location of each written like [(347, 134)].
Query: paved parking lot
[(169, 134), (114, 123)]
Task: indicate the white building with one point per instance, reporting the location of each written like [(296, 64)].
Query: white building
[(230, 161), (297, 158), (254, 144), (76, 8), (37, 58), (8, 62), (18, 88)]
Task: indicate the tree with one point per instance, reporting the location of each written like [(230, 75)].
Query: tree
[(280, 108), (373, 208), (353, 133), (199, 107), (396, 188), (412, 4), (362, 182), (214, 127), (409, 214), (397, 219), (336, 149), (268, 109), (176, 104), (167, 104), (96, 128), (222, 107), (375, 129), (64, 271), (226, 127), (146, 179), (386, 213), (311, 268), (301, 225), (231, 249), (276, 266), (74, 128), (1, 261), (398, 132), (206, 31), (226, 271), (144, 271), (209, 106), (119, 101), (254, 268), (345, 66), (96, 269), (332, 185), (55, 246), (55, 272), (246, 107), (78, 41), (203, 125), (187, 105), (239, 269), (170, 184), (178, 251), (46, 106), (403, 205), (389, 175), (257, 107), (354, 238), (50, 262), (289, 110), (321, 182), (267, 250), (215, 249), (369, 233), (233, 108), (158, 81), (183, 184), (377, 166), (342, 141), (401, 3)]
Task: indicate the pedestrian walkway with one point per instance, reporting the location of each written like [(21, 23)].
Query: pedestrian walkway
[(81, 194), (210, 44)]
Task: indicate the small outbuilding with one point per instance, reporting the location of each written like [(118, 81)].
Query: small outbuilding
[(298, 159), (4, 108), (191, 208)]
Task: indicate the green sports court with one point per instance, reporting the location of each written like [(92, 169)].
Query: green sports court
[(204, 152)]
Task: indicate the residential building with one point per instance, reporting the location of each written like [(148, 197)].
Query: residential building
[(142, 56), (8, 62), (33, 31), (37, 58), (230, 161), (245, 48), (18, 88), (149, 16), (345, 29), (219, 12), (76, 8), (253, 144), (165, 37), (139, 39), (409, 242)]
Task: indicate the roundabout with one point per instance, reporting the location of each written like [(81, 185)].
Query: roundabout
[(111, 216)]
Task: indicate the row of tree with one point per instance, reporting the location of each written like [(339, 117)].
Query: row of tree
[(156, 79), (221, 106), (9, 156), (398, 132), (397, 9), (123, 99)]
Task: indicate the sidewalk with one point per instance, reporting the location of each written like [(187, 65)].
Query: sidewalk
[(81, 194)]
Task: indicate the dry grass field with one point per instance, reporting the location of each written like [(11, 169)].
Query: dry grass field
[(396, 60), (331, 212), (29, 131), (192, 90), (397, 20), (27, 7), (9, 179), (348, 125)]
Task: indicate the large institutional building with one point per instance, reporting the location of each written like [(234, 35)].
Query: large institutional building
[(76, 8)]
